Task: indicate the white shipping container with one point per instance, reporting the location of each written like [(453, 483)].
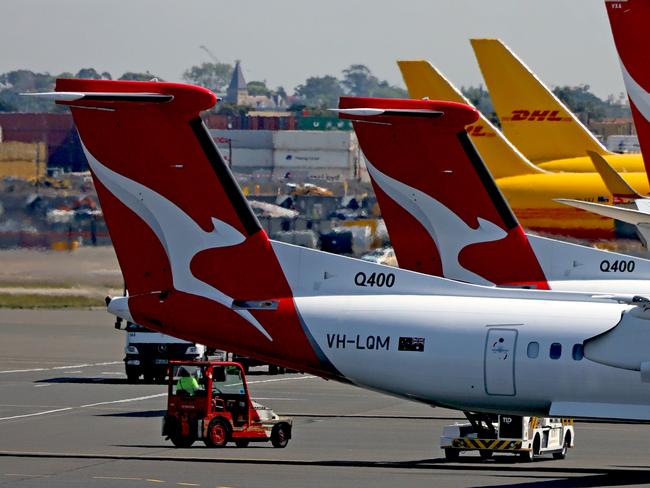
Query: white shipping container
[(248, 158), (314, 175), (250, 139), (313, 159), (623, 144), (313, 139)]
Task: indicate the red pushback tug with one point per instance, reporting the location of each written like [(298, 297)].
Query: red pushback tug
[(209, 401)]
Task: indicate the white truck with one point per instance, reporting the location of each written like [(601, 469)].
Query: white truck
[(147, 353), (525, 436)]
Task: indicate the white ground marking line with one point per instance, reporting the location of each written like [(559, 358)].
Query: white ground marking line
[(54, 368), (22, 475), (24, 370), (37, 413), (285, 399), (134, 399), (119, 478), (43, 385), (125, 400), (305, 377)]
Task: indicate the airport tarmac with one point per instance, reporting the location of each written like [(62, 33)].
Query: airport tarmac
[(68, 418)]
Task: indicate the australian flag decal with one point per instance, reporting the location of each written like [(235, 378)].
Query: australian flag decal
[(411, 344)]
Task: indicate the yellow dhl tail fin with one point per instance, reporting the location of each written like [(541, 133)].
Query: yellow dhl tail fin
[(616, 185), (532, 117), (502, 158)]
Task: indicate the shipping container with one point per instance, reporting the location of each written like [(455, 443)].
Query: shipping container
[(312, 159), (57, 131), (294, 140), (249, 139), (315, 122), (248, 158)]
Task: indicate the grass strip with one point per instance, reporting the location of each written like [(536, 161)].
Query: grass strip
[(27, 300)]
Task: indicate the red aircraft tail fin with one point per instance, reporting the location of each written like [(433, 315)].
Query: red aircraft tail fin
[(189, 246), (443, 210), (629, 20)]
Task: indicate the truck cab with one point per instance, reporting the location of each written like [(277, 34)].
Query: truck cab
[(147, 353)]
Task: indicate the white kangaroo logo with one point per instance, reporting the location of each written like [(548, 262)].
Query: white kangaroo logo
[(181, 237), (450, 233), (639, 96)]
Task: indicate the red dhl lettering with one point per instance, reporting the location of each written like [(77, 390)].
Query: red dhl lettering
[(536, 116), (477, 131)]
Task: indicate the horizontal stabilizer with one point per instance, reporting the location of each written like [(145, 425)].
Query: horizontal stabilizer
[(613, 181), (68, 97), (369, 112), (629, 215)]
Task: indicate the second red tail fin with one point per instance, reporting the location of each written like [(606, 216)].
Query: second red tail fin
[(444, 212), (629, 20)]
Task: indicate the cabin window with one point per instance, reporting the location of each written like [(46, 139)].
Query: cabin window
[(533, 350), (556, 350), (578, 352)]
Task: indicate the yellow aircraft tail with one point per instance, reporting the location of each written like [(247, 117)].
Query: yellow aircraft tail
[(532, 117), (423, 80)]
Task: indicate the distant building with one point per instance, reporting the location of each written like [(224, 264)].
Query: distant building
[(237, 92), (621, 126)]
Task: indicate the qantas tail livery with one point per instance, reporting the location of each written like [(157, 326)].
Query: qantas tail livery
[(195, 260), (446, 216), (198, 266), (443, 211), (423, 80), (629, 20), (531, 116)]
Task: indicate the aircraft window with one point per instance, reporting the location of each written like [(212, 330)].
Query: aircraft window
[(578, 352), (556, 350), (533, 350)]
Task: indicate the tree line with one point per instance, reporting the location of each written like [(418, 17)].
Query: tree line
[(316, 93)]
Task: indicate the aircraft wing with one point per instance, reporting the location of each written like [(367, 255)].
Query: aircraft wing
[(638, 218)]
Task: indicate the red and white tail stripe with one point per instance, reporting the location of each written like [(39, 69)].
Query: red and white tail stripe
[(444, 213)]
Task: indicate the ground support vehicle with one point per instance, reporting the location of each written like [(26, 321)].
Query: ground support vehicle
[(220, 410), (526, 436), (147, 353)]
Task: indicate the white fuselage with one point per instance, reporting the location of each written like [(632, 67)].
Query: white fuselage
[(460, 366)]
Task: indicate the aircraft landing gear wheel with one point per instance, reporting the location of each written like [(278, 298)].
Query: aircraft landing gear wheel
[(217, 434), (242, 443), (452, 454), (280, 436), (485, 454)]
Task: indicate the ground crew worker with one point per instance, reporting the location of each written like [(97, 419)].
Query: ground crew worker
[(186, 382)]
